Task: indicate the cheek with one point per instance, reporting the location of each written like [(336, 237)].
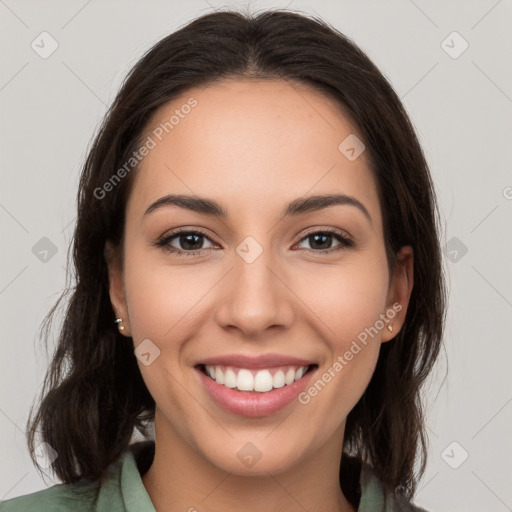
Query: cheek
[(163, 303), (337, 388), (346, 299), (348, 304), (350, 309), (162, 299)]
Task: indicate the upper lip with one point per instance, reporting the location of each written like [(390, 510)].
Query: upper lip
[(259, 362)]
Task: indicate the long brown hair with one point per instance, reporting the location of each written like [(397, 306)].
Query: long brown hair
[(94, 398)]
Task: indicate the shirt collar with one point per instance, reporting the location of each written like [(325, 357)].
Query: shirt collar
[(138, 457)]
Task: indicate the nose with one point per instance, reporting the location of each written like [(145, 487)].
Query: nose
[(255, 297)]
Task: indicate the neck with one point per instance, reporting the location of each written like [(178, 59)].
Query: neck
[(182, 479)]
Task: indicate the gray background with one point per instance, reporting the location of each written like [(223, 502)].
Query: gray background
[(461, 109)]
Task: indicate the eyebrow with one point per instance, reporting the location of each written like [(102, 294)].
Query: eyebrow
[(210, 207)]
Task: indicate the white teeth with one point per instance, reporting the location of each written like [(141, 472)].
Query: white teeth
[(290, 376), (219, 375), (278, 379), (261, 381), (245, 381), (230, 378)]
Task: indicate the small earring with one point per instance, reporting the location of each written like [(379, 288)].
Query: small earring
[(118, 322), (390, 327)]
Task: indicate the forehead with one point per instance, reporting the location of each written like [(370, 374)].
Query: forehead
[(252, 142)]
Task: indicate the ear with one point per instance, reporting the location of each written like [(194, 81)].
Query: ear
[(113, 257), (400, 288)]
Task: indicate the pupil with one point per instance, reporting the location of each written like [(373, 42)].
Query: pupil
[(186, 244), (325, 238)]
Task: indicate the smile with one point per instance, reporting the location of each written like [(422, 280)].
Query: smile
[(254, 387), (260, 381)]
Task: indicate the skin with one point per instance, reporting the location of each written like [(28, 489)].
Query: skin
[(253, 146)]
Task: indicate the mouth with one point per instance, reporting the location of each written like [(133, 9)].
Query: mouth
[(254, 386), (251, 380)]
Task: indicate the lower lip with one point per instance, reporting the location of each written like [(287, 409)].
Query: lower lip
[(254, 404)]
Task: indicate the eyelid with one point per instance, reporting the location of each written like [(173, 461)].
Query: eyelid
[(346, 241), (164, 240), (334, 231)]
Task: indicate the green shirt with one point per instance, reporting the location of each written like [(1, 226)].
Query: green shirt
[(124, 491)]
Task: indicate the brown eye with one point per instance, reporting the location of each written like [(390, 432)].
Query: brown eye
[(185, 242), (322, 241)]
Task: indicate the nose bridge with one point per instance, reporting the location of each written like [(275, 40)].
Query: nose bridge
[(256, 299)]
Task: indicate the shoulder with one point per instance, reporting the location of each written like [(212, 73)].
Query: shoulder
[(58, 498), (82, 496), (120, 488), (375, 497)]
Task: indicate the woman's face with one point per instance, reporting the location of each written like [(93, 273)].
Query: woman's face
[(258, 279)]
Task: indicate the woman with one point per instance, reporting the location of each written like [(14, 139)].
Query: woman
[(258, 272)]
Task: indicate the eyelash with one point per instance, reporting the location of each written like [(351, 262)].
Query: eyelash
[(164, 242)]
